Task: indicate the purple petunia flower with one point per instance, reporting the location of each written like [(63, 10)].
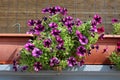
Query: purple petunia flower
[(93, 29), (83, 40), (38, 22), (53, 25), (71, 61), (29, 46), (97, 19), (39, 28), (81, 50), (114, 20), (59, 40), (118, 48), (47, 43), (101, 36), (23, 68), (63, 11), (55, 32), (93, 23), (37, 66), (31, 31), (60, 47), (58, 9), (78, 22), (81, 63), (54, 61), (36, 52), (31, 22), (45, 10), (78, 34), (97, 47), (15, 67)]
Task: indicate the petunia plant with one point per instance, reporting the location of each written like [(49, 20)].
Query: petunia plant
[(115, 56), (59, 40), (116, 26)]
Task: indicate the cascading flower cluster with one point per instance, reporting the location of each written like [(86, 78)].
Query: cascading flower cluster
[(59, 40)]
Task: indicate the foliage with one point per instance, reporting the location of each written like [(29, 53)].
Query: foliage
[(115, 56), (59, 40), (116, 26)]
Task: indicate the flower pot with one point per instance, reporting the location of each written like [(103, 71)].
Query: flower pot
[(10, 45), (99, 56)]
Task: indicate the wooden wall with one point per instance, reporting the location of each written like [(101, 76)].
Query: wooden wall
[(14, 12)]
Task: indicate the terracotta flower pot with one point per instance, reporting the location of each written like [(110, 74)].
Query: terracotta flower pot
[(99, 56), (10, 45)]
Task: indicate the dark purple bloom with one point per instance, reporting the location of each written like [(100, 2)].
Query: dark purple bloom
[(78, 22), (81, 63), (97, 47), (60, 47), (14, 62), (31, 22), (101, 37), (67, 19), (69, 24), (71, 62), (52, 10), (38, 22), (118, 48), (31, 31), (37, 66), (78, 34), (29, 46), (53, 25), (58, 9), (93, 23), (44, 18), (45, 10), (93, 29), (114, 20), (15, 68), (23, 68), (54, 61), (55, 32), (97, 19), (63, 11), (83, 40), (39, 28), (81, 50), (92, 47), (59, 40), (36, 52), (47, 43)]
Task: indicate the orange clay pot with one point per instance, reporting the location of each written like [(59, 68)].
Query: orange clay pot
[(10, 45), (98, 57)]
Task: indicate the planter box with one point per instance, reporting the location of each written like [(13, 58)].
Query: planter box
[(98, 57), (10, 45)]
